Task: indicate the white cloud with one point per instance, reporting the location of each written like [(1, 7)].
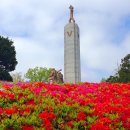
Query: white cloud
[(30, 55)]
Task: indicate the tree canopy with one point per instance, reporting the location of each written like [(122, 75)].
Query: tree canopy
[(38, 74), (123, 73), (8, 60), (5, 76)]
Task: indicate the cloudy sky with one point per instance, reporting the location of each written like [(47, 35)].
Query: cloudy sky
[(37, 29)]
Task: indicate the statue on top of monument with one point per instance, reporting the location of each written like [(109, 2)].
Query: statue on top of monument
[(71, 14)]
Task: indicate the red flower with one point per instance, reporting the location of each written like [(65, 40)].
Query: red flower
[(69, 124), (99, 126), (81, 116), (47, 124), (26, 110), (52, 116), (105, 120), (10, 111), (31, 102), (11, 96), (43, 115), (46, 115), (84, 124), (28, 128), (1, 111)]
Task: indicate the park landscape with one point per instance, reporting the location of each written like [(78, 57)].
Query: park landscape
[(45, 99)]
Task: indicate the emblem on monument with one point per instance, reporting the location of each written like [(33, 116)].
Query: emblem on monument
[(69, 33)]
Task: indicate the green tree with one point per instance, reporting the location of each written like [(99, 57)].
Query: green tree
[(38, 74), (123, 73), (8, 60), (113, 79), (5, 76)]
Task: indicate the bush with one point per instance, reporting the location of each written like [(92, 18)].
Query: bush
[(86, 106)]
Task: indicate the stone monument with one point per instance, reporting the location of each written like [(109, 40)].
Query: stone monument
[(72, 72)]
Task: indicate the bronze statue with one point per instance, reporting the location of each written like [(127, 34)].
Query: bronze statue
[(56, 76), (60, 76), (71, 14), (53, 76)]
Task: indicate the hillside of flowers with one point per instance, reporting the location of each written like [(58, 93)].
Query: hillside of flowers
[(84, 106)]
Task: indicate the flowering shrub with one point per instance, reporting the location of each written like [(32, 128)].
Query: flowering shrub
[(84, 106)]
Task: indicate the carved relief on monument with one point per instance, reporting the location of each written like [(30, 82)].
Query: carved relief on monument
[(69, 33)]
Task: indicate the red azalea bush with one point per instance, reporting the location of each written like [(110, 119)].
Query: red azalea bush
[(84, 106)]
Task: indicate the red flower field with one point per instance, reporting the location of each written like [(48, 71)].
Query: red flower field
[(84, 106)]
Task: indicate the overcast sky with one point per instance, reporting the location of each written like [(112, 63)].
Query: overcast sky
[(37, 29)]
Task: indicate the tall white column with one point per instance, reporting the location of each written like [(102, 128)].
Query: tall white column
[(72, 72)]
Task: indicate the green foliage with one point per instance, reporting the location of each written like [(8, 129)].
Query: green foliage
[(103, 80), (123, 74), (4, 75), (38, 74), (7, 58), (7, 54), (113, 79)]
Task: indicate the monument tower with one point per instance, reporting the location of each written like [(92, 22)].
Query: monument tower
[(72, 72)]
